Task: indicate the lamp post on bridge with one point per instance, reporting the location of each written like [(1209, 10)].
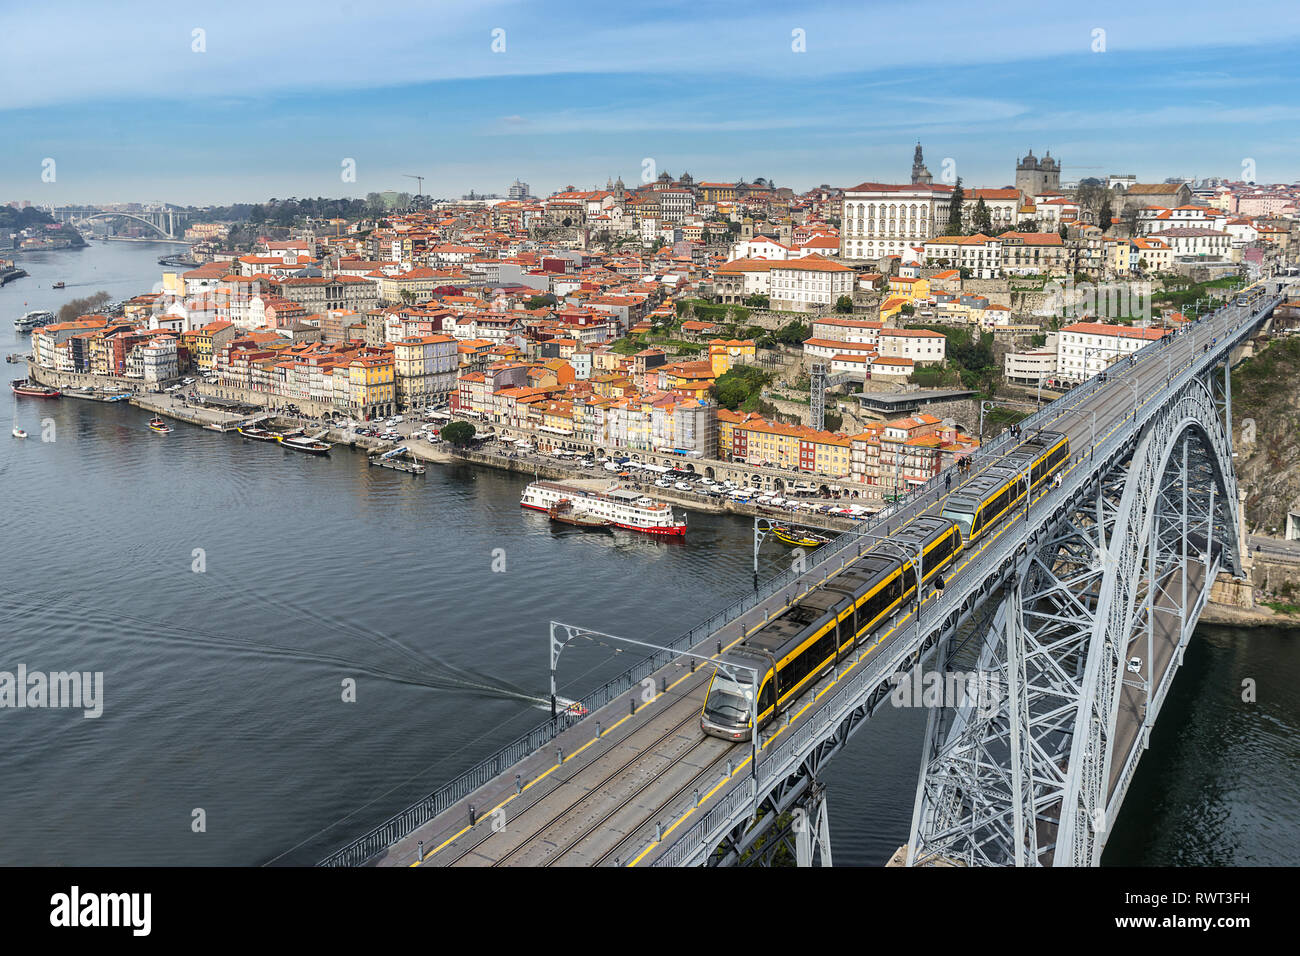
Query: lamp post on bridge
[(1085, 411)]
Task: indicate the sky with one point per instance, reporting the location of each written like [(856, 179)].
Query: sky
[(202, 104)]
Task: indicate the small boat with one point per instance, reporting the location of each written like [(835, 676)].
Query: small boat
[(258, 434), (309, 445), (18, 432), (160, 426), (58, 285), (30, 389), (564, 512), (799, 539)]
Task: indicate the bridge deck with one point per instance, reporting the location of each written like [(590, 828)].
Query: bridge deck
[(597, 799)]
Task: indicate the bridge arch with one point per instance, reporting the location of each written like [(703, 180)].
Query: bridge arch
[(126, 215)]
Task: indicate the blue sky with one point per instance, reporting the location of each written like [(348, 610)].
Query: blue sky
[(281, 94)]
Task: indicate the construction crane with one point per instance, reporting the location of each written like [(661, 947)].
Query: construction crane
[(419, 182)]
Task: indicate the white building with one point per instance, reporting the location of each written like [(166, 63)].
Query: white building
[(158, 358), (922, 346), (801, 285), (1191, 241), (881, 219), (1087, 348), (1034, 367), (979, 253)]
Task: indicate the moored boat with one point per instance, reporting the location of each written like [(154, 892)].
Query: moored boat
[(158, 425), (799, 538), (18, 432), (564, 512), (309, 445), (622, 508), (258, 434), (30, 389), (58, 285), (33, 320)]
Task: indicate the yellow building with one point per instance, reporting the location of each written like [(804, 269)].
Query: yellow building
[(724, 354), (372, 386), (910, 289)]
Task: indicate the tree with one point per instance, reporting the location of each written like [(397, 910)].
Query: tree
[(844, 304), (79, 307), (908, 309), (1105, 214), (739, 385), (954, 210), (757, 300), (459, 434), (982, 219), (793, 333), (540, 301)]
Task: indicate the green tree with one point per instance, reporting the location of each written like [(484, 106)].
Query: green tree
[(1105, 214), (540, 301), (793, 333), (844, 304), (982, 219), (758, 301), (954, 210), (459, 434), (739, 386)]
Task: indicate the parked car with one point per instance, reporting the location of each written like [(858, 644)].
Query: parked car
[(682, 486)]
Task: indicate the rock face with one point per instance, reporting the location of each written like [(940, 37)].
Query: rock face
[(1266, 433)]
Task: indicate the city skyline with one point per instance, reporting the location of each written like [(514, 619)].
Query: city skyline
[(223, 116)]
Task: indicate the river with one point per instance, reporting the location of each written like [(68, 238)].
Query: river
[(228, 589)]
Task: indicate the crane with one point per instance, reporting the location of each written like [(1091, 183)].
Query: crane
[(419, 183)]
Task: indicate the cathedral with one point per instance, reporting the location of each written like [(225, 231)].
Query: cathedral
[(1036, 176)]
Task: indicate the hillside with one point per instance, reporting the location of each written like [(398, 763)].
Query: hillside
[(1266, 405)]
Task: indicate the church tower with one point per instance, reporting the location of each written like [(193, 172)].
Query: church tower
[(920, 175)]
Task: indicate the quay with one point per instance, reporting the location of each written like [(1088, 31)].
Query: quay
[(537, 466)]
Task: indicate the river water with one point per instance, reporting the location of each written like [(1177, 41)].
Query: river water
[(223, 686)]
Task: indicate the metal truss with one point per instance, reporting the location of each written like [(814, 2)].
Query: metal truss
[(1125, 565)]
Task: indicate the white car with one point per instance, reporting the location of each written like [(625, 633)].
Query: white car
[(1135, 665), (682, 486), (706, 481), (663, 484)]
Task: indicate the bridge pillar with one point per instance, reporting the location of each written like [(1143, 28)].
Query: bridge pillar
[(812, 828)]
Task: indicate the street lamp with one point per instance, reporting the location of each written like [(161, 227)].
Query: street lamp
[(983, 406)]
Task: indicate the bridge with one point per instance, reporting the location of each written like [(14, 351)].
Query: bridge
[(165, 222), (1078, 607)]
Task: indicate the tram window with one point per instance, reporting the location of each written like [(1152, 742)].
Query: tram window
[(767, 696)]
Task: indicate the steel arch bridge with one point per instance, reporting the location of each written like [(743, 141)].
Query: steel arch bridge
[(1121, 566), (1078, 608), (164, 233)]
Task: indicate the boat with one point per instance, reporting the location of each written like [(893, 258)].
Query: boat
[(302, 443), (18, 432), (158, 425), (258, 434), (33, 320), (58, 285), (564, 512), (799, 539), (625, 509), (30, 389)]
